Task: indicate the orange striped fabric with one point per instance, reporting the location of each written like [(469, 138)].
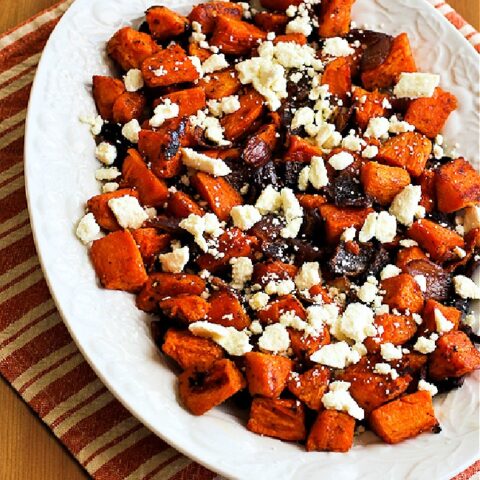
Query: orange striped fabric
[(37, 355)]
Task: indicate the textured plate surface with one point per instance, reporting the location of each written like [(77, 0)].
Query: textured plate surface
[(112, 333)]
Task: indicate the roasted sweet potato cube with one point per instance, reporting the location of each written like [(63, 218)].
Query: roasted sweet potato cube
[(279, 4), (429, 115), (383, 183), (127, 106), (299, 150), (338, 219), (321, 292), (275, 270), (409, 150), (299, 38), (238, 124), (409, 254), (429, 324), (195, 50), (221, 84), (404, 418), (266, 374), (218, 193), (278, 418), (338, 76), (201, 390), (164, 23), (410, 363), (332, 432), (334, 19), (403, 293), (395, 329), (310, 386), (429, 194), (105, 91), (400, 59), (271, 21), (206, 13), (368, 105), (150, 243), (225, 309), (311, 201), (129, 48), (175, 65), (190, 351), (118, 263), (454, 356), (151, 190), (235, 37), (274, 310), (189, 101), (181, 205), (162, 285), (457, 186), (232, 243), (438, 241), (371, 389), (185, 307), (304, 345), (98, 205)]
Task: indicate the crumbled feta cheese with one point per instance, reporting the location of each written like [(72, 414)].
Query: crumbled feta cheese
[(318, 175), (337, 47), (471, 219), (390, 352), (275, 339), (385, 369), (390, 271), (245, 216), (301, 24), (235, 342), (303, 178), (466, 288), (473, 321), (106, 153), (111, 173), (303, 116), (427, 387), (421, 281), (407, 243), (442, 323), (406, 203), (368, 229), (353, 142), (163, 112), (357, 322), (175, 261), (280, 287), (269, 201), (293, 213), (416, 85), (349, 234), (215, 62), (367, 292), (397, 126), (133, 80), (110, 187), (204, 163), (128, 212), (291, 11), (198, 225), (95, 122), (256, 327), (370, 151), (378, 127), (242, 270), (460, 252), (258, 301), (381, 225), (336, 355), (338, 398), (213, 130), (88, 229), (131, 130), (308, 276), (341, 160), (424, 345)]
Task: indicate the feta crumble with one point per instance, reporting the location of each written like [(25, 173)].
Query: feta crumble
[(204, 163), (308, 276), (88, 229), (133, 80), (128, 212), (131, 130), (442, 323), (390, 352), (427, 387), (337, 47), (175, 261), (466, 288), (275, 339), (242, 270), (338, 398), (163, 112), (341, 160), (106, 153), (245, 216), (405, 204), (416, 85)]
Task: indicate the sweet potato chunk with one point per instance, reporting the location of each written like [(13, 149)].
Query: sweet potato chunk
[(274, 310), (218, 193), (127, 106), (221, 84), (299, 150), (279, 4), (304, 345), (129, 48), (332, 432), (118, 263), (429, 194), (98, 205), (429, 323), (189, 101), (404, 418), (181, 205), (454, 356), (338, 219), (407, 255), (334, 19), (403, 293), (368, 105), (235, 37), (162, 285), (226, 310), (164, 23), (271, 21), (267, 375), (338, 76), (370, 389), (190, 351), (429, 115), (185, 307), (400, 59), (457, 186), (299, 38), (150, 243), (278, 418), (409, 150), (175, 65), (238, 124), (195, 50), (310, 386), (201, 390), (105, 91), (151, 190), (438, 241), (383, 183), (311, 201), (275, 270), (206, 14), (395, 329)]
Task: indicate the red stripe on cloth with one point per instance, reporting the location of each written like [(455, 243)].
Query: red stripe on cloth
[(9, 156), (16, 101), (456, 19), (17, 253), (194, 471), (12, 205)]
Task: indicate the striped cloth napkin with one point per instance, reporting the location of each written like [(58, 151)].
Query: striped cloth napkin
[(37, 356)]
